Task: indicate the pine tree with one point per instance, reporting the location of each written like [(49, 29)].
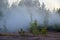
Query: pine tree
[(43, 6), (58, 10)]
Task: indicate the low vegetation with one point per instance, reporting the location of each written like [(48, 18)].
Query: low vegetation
[(57, 28), (44, 31), (35, 29), (54, 28), (21, 32)]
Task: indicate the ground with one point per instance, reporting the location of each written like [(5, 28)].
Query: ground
[(50, 36)]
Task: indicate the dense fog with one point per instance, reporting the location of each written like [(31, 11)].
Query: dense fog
[(20, 15)]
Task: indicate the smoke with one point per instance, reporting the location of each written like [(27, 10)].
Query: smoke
[(17, 17)]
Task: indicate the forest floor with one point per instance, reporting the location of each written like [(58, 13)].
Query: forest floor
[(50, 36)]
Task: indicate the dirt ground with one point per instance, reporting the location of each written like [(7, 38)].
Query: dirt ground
[(50, 36)]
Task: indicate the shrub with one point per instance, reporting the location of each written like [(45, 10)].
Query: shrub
[(44, 30), (57, 28), (39, 28), (5, 28), (33, 28), (50, 28), (35, 32), (21, 32)]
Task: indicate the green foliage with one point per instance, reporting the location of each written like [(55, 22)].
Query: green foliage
[(44, 31), (21, 32), (39, 28), (36, 32), (33, 28)]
